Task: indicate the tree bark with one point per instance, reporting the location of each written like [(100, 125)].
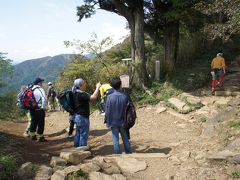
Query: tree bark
[(171, 38), (140, 60)]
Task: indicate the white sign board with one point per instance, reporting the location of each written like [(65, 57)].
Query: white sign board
[(125, 80)]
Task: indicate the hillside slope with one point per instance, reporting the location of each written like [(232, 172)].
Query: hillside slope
[(47, 67)]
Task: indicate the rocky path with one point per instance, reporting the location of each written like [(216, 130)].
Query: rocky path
[(197, 145)]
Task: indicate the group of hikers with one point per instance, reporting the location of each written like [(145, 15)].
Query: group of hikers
[(114, 106)]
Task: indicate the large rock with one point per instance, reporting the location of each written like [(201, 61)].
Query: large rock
[(223, 93), (190, 98), (59, 175), (62, 174), (234, 145), (222, 155), (44, 173), (89, 167), (57, 161), (111, 169), (177, 103), (119, 177), (56, 168), (100, 176), (75, 157), (26, 171), (222, 102), (130, 165)]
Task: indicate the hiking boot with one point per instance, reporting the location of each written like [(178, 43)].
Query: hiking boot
[(213, 91), (42, 139), (33, 138), (26, 134), (70, 136)]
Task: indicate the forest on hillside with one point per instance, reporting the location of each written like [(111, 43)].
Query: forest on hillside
[(184, 35)]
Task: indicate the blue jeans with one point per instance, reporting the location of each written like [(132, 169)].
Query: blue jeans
[(115, 138), (82, 130)]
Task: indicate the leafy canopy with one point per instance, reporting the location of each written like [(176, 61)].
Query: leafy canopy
[(5, 67)]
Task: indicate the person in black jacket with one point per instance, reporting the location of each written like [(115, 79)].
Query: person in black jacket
[(82, 110)]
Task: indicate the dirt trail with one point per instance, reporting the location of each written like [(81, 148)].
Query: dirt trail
[(186, 139), (175, 135)]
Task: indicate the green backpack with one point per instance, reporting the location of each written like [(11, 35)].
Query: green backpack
[(66, 100)]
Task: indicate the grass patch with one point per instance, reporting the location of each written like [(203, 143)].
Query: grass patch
[(236, 174), (8, 166), (35, 168), (78, 175), (234, 124), (158, 91)]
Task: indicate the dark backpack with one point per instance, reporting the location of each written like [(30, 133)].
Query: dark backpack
[(53, 93), (131, 115), (26, 100), (66, 100)]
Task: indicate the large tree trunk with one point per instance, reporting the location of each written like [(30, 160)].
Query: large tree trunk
[(171, 38), (140, 61)]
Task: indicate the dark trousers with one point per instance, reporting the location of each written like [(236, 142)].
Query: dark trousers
[(127, 132), (38, 121), (71, 127)]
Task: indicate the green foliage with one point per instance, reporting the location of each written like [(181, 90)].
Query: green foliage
[(9, 109), (35, 168), (222, 17), (234, 124), (5, 67), (190, 47), (236, 174), (8, 166), (78, 175), (100, 69), (158, 92)]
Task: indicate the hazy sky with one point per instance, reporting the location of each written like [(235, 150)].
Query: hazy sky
[(37, 28)]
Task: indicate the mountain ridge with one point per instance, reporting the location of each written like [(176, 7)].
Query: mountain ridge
[(48, 68)]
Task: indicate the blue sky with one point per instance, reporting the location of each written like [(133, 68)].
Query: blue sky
[(36, 28)]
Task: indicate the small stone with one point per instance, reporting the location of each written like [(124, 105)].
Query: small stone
[(160, 110), (57, 161), (26, 170)]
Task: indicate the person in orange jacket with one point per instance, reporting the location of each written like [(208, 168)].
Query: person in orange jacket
[(218, 70)]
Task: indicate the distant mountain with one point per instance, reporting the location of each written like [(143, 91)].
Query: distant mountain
[(47, 68)]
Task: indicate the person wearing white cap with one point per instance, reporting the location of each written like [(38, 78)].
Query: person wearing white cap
[(82, 111), (218, 69), (51, 95)]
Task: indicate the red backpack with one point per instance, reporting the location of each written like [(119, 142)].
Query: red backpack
[(28, 100)]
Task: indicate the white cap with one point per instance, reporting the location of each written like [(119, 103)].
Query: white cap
[(49, 83)]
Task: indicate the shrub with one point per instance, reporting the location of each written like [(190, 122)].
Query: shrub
[(8, 166)]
